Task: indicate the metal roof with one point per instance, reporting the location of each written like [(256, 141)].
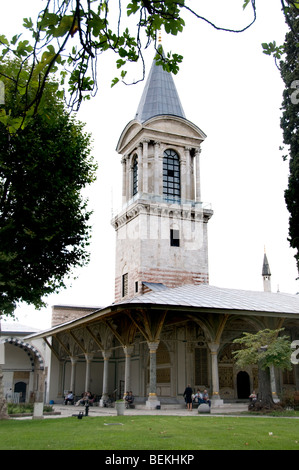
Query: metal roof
[(199, 297), (155, 286), (16, 328), (160, 96), (211, 297)]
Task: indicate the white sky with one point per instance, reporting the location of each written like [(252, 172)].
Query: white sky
[(233, 92)]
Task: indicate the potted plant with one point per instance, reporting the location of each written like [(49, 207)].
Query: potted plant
[(120, 407)]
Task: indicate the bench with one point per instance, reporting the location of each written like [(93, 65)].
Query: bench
[(130, 406)]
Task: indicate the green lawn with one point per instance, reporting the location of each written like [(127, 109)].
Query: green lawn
[(150, 433)]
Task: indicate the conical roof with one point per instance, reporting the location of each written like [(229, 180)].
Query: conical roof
[(266, 268), (159, 96)]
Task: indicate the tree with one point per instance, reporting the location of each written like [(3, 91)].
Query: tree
[(266, 349), (289, 68), (44, 230), (70, 35), (3, 405)]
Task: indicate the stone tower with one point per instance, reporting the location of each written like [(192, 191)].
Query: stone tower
[(161, 231)]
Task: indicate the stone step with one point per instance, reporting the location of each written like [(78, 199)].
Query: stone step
[(165, 406)]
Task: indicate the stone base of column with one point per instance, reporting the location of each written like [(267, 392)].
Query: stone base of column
[(275, 397), (152, 402), (216, 401), (103, 399), (38, 410)]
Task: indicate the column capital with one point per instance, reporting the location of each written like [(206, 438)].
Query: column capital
[(153, 346), (214, 347), (106, 355), (128, 350), (88, 356)]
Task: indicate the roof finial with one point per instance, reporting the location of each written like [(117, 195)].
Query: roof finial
[(160, 37)]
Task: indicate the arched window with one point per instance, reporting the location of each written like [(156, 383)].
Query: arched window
[(135, 176), (171, 174)]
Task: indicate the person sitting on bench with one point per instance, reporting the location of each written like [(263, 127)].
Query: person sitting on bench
[(69, 398), (129, 400), (198, 398), (205, 397)]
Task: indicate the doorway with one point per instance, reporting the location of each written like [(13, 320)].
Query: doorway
[(243, 385), (20, 387)]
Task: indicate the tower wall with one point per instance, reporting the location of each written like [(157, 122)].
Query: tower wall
[(161, 232), (160, 243)]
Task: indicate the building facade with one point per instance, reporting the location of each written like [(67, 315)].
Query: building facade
[(23, 364), (167, 327)]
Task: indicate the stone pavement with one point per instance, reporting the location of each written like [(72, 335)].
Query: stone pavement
[(166, 410)]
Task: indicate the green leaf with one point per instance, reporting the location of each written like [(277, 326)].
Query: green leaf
[(14, 124), (27, 23), (23, 48), (64, 27), (48, 20), (245, 4), (114, 82), (132, 7), (273, 49), (120, 63), (3, 39), (3, 116), (15, 39), (96, 24)]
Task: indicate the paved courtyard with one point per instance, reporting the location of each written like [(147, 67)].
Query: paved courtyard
[(166, 410)]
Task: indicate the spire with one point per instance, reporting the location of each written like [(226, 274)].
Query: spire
[(266, 268), (160, 96), (266, 273)]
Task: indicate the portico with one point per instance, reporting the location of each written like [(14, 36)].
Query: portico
[(158, 342)]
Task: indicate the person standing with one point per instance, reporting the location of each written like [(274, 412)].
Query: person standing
[(188, 397)]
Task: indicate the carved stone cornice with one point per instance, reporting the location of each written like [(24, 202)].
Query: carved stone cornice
[(175, 211)]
